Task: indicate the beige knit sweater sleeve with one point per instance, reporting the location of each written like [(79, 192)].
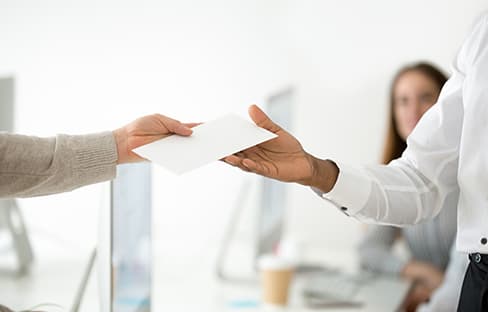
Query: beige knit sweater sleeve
[(33, 166)]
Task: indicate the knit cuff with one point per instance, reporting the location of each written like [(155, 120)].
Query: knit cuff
[(95, 157)]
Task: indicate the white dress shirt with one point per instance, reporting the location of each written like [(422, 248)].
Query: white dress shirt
[(446, 159)]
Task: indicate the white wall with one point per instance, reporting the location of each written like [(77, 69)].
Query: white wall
[(89, 66), (344, 54), (93, 65)]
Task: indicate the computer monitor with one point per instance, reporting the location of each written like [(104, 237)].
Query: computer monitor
[(273, 199), (7, 104), (11, 218), (124, 252)]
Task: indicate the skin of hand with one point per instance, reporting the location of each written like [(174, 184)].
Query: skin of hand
[(145, 130), (417, 295), (424, 273), (284, 158)]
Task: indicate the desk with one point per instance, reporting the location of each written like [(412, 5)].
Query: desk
[(199, 290), (207, 294), (176, 288)]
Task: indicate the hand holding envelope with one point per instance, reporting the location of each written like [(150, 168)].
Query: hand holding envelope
[(209, 142), (284, 158), (263, 148), (145, 130)]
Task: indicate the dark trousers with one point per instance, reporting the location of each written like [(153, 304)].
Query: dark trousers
[(474, 294)]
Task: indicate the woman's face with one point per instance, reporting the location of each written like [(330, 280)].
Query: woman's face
[(413, 94)]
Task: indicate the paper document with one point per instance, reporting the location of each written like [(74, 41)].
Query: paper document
[(209, 142)]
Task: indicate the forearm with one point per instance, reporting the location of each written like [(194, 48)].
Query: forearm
[(32, 166), (446, 297), (381, 261), (375, 251), (378, 193)]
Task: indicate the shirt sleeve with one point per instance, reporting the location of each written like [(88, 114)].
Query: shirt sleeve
[(425, 177), (375, 251), (32, 166)]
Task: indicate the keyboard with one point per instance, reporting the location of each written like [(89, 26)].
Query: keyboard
[(334, 288)]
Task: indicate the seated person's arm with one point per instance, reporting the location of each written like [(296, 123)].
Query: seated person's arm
[(375, 252), (446, 297)]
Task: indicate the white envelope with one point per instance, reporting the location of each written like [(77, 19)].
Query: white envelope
[(209, 142)]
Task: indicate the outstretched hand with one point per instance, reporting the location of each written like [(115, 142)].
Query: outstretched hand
[(145, 130), (282, 158)]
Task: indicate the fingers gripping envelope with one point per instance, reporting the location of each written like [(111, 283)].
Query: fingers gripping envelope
[(209, 142)]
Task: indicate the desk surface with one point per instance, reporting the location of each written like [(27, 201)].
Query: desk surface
[(204, 293), (175, 288), (199, 290)]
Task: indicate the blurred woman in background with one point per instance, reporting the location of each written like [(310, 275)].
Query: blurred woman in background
[(414, 90)]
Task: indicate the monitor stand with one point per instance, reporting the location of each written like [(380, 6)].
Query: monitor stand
[(229, 234), (11, 219), (84, 282)]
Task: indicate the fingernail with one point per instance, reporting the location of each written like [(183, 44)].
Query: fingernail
[(183, 128)]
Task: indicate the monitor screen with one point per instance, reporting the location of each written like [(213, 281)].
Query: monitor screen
[(131, 238), (273, 193), (7, 104)]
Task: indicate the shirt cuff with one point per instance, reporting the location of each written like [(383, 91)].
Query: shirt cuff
[(351, 191)]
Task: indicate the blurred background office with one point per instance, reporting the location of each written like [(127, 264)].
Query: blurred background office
[(85, 66)]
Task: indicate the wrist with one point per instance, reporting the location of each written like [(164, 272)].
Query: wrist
[(324, 174), (121, 143), (409, 270), (415, 269)]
